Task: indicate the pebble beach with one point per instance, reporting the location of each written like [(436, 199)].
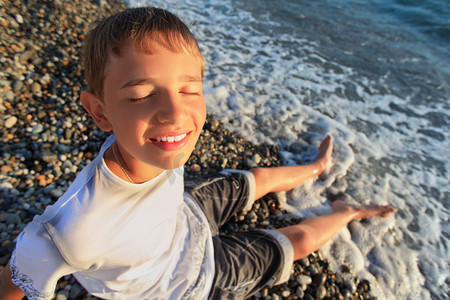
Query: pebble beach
[(46, 138)]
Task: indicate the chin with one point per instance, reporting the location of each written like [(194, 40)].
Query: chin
[(177, 161)]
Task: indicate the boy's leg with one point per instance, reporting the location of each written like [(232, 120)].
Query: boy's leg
[(246, 262), (309, 235), (221, 195)]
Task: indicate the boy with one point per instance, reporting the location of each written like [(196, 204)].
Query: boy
[(125, 227)]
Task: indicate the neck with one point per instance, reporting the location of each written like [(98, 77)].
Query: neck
[(131, 172)]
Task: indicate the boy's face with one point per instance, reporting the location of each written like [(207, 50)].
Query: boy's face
[(154, 104)]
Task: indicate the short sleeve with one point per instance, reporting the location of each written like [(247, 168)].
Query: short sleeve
[(36, 263)]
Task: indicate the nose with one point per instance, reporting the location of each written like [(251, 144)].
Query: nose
[(171, 110)]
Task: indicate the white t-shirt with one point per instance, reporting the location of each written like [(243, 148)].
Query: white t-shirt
[(120, 240)]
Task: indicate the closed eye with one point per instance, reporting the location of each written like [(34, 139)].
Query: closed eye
[(190, 93), (142, 99)]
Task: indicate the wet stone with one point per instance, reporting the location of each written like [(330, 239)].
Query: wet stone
[(320, 279), (252, 217), (304, 262), (256, 158), (250, 163), (364, 286), (299, 292), (351, 286), (313, 269), (308, 296), (321, 292), (231, 147), (346, 294), (304, 280)]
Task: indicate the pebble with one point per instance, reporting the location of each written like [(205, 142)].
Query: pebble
[(320, 279), (264, 292), (252, 217), (75, 291), (347, 294), (26, 56), (35, 87), (19, 19), (304, 279), (299, 292), (5, 169), (351, 286), (304, 262), (256, 158), (321, 292), (62, 295), (265, 223), (4, 217), (56, 193), (13, 219), (36, 129), (308, 297), (195, 168), (17, 85), (49, 157), (249, 163), (10, 122)]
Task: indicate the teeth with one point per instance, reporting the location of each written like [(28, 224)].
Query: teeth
[(171, 139)]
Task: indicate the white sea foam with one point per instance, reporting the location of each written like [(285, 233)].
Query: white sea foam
[(281, 89)]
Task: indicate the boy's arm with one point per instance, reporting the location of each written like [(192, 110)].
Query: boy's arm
[(285, 178), (8, 290)]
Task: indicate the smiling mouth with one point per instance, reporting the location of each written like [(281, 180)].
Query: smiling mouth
[(170, 139)]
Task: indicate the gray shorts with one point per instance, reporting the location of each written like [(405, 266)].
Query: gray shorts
[(244, 262)]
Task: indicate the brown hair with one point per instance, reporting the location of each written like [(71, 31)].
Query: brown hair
[(137, 26)]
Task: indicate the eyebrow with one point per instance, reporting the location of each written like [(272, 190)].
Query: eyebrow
[(148, 80), (137, 81), (190, 78)]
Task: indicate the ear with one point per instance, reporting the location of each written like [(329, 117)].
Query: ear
[(96, 108)]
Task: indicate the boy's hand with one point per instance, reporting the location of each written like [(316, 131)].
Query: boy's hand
[(325, 150), (8, 290)]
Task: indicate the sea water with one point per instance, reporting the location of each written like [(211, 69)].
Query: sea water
[(373, 74)]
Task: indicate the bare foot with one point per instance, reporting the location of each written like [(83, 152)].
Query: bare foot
[(364, 211), (325, 151)]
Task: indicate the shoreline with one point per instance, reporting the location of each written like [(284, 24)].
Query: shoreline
[(47, 138)]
